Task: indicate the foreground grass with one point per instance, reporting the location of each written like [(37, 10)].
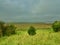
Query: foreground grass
[(43, 37)]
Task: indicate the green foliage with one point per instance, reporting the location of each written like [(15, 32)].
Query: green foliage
[(2, 25), (6, 29), (2, 28), (10, 30), (56, 26), (32, 31)]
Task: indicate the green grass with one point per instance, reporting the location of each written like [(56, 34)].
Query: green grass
[(43, 37)]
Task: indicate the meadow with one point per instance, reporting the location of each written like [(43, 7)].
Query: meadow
[(44, 36)]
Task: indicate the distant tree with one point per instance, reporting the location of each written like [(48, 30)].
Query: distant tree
[(31, 31), (2, 25), (2, 29), (56, 26)]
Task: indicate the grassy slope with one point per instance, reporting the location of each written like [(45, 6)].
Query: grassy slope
[(43, 37)]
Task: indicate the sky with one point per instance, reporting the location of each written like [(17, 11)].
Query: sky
[(29, 10)]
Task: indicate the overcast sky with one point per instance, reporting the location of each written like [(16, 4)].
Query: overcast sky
[(29, 10)]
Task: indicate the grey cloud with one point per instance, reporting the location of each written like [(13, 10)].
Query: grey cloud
[(27, 10)]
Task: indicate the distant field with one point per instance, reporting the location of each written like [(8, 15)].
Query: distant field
[(42, 37), (37, 26)]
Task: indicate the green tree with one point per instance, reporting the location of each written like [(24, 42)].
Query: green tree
[(2, 29), (32, 31), (10, 30), (56, 26)]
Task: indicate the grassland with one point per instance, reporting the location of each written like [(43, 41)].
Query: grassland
[(44, 36)]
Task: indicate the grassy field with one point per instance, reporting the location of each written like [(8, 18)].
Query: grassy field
[(42, 37), (36, 26)]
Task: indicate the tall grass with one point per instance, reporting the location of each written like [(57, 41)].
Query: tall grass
[(43, 37)]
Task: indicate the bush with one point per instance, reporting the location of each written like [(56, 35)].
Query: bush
[(32, 31), (6, 29), (56, 26), (10, 30)]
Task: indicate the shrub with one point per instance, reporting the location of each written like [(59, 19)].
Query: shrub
[(32, 31), (10, 30), (56, 26), (6, 29)]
